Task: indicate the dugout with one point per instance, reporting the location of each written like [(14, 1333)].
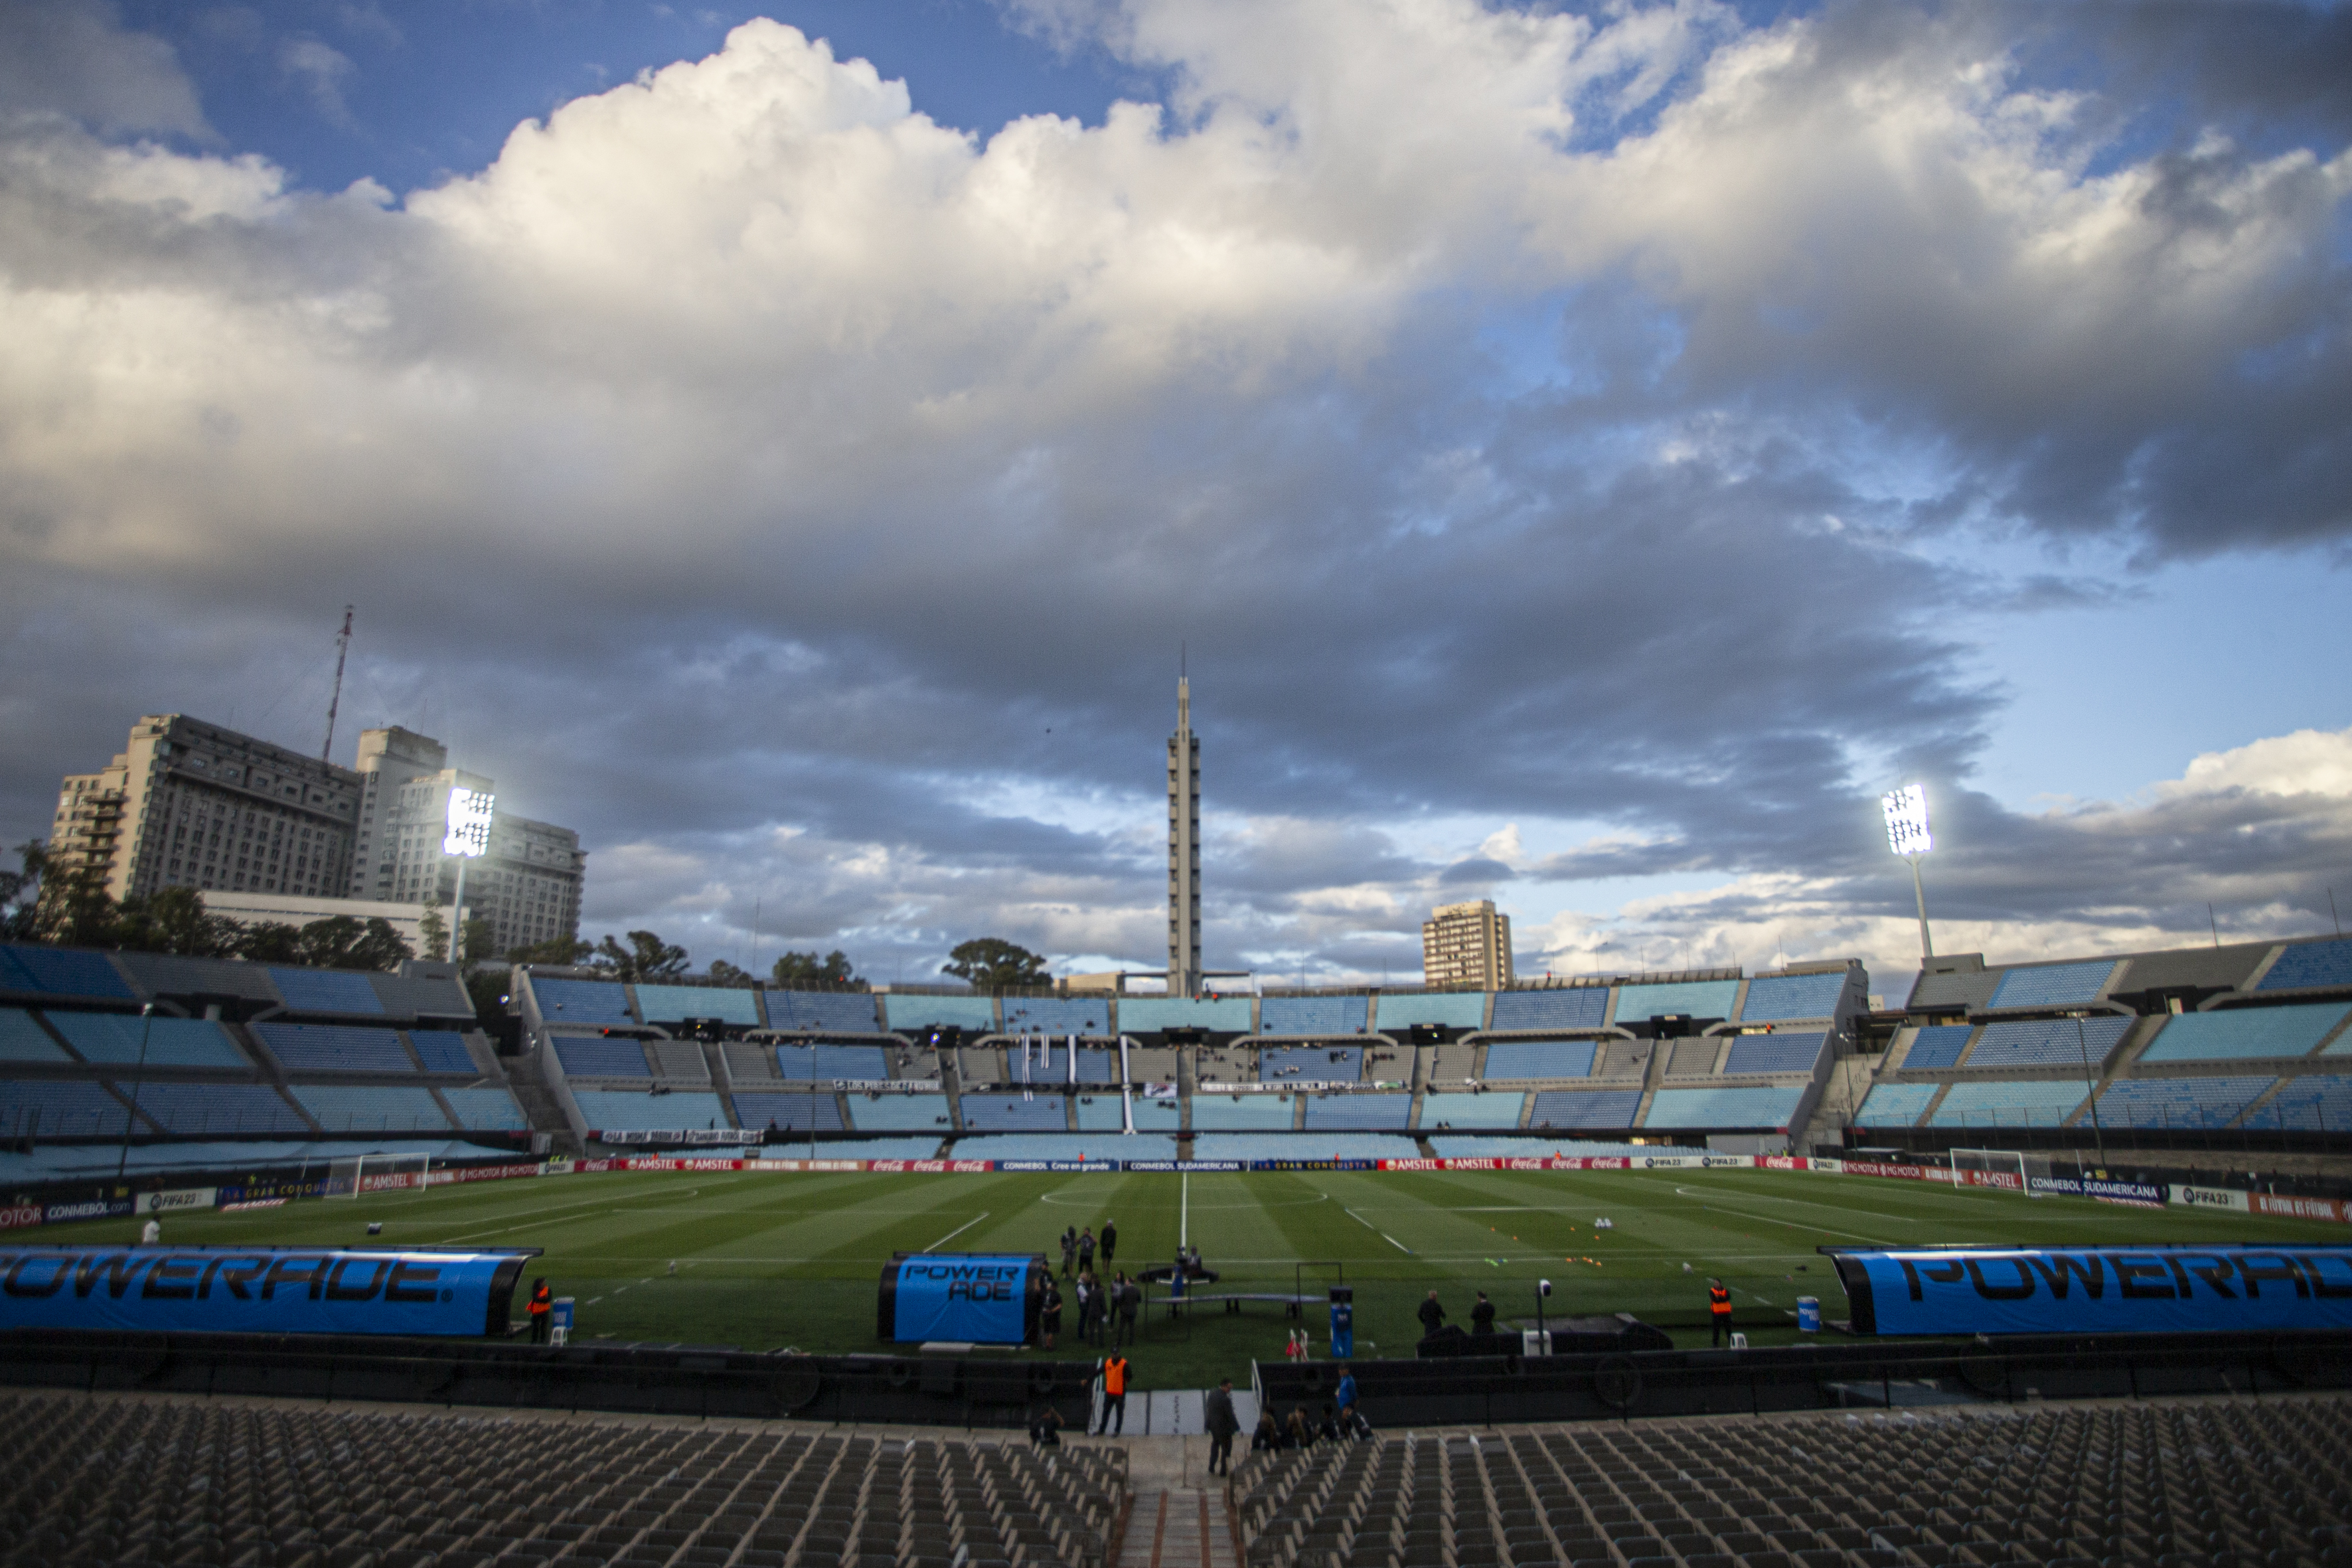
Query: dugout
[(961, 1297)]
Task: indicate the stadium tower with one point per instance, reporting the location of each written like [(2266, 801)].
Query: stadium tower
[(1184, 849)]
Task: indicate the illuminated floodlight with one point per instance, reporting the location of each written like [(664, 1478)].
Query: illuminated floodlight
[(470, 823), (1907, 820)]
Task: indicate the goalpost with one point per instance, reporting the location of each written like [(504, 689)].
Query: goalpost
[(2002, 1168), (354, 1175)]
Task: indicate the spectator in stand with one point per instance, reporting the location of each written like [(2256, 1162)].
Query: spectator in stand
[(1218, 1420), (1268, 1439), (1296, 1433), (1045, 1428), (1327, 1429)]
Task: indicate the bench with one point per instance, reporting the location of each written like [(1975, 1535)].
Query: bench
[(1293, 1305)]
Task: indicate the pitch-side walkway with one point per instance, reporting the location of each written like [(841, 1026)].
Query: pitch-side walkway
[(1179, 1529), (1174, 1413)]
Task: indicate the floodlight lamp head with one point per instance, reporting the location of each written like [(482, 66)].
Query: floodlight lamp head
[(1907, 820), (470, 823)]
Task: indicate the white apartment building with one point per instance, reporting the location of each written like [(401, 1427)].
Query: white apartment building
[(1466, 944)]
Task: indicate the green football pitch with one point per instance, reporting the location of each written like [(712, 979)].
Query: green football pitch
[(764, 1261)]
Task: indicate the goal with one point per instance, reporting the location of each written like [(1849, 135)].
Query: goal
[(2002, 1168), (357, 1174)]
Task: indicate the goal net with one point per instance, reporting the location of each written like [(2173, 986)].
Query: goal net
[(357, 1173), (2002, 1168)]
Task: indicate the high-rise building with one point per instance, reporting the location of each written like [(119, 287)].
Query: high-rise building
[(1184, 849), (1466, 944), (527, 884), (188, 803)]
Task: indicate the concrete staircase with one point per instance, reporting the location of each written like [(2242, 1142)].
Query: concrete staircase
[(539, 1110)]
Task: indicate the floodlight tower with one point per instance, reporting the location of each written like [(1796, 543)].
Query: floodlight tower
[(1907, 835), (468, 838)]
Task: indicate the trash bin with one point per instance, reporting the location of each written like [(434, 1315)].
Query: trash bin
[(1809, 1314), (559, 1321)]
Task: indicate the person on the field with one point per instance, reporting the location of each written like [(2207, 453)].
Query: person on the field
[(1718, 1310), (1085, 1249), (1129, 1302), (542, 1309), (1432, 1316), (1109, 1241), (1114, 1376), (1089, 1303), (151, 1233), (1069, 1251), (1482, 1316), (1218, 1420), (1049, 1316)]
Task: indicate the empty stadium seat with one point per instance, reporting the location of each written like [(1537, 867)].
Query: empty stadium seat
[(1100, 1113), (594, 1002), (485, 1109), (352, 1108), (2052, 984), (909, 1013), (614, 1111), (676, 1004), (1539, 1058), (1244, 1113), (1397, 1011), (898, 1112), (1774, 1053), (2305, 964), (1572, 1108), (788, 1112), (850, 1012), (2245, 1033), (1772, 998), (326, 991), (22, 1039), (2314, 1102), (1015, 1113), (2042, 1103), (594, 1056), (1360, 1113), (442, 1051), (223, 1109), (61, 972), (1688, 998), (1154, 1014), (61, 1107), (1061, 1015), (679, 1061), (1760, 1107), (825, 1063), (1471, 1111), (117, 1038), (335, 1048), (1567, 1008), (1158, 1115), (2194, 1102), (1313, 1014), (2048, 1042), (1938, 1046), (1895, 1104)]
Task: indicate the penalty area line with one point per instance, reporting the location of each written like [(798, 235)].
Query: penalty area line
[(1376, 1230)]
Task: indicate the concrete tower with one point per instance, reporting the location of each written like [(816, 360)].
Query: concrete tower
[(1184, 849)]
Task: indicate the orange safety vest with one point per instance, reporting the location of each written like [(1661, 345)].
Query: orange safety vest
[(1719, 1300), (1115, 1376), (539, 1301)]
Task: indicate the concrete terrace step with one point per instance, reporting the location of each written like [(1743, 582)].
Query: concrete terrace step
[(1179, 1528)]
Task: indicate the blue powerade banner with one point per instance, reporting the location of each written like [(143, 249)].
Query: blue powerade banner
[(2169, 1288), (973, 1297), (259, 1289)]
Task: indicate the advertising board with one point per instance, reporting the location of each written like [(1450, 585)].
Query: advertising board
[(2166, 1288), (261, 1289)]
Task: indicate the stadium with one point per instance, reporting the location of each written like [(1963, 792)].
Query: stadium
[(710, 1174)]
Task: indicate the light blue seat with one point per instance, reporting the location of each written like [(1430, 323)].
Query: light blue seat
[(366, 1108), (1507, 1059), (485, 1109), (619, 1111), (1101, 1113), (2191, 1102), (788, 1112), (593, 1055), (824, 1063), (1938, 1046), (850, 1012), (911, 1015), (2314, 1102), (1778, 997), (1471, 1109), (1571, 1107), (61, 1107), (335, 1048), (114, 1037), (2052, 984), (326, 991), (2048, 1042), (442, 1051), (2030, 1103), (1158, 1115), (1313, 1064), (1772, 1107), (1313, 1014), (1359, 1112), (676, 1004), (1015, 1113), (1243, 1112), (221, 1110), (1688, 998), (1401, 1010), (2245, 1033), (594, 1001), (1056, 1015), (2310, 963), (1774, 1053), (899, 1113), (1569, 1007), (1154, 1014), (22, 1039), (1895, 1104)]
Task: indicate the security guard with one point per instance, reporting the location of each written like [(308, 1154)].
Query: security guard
[(543, 1305), (1114, 1392), (1718, 1307)]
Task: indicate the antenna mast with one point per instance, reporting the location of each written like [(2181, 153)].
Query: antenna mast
[(342, 651)]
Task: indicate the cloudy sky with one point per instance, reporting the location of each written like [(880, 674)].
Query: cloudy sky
[(1586, 455)]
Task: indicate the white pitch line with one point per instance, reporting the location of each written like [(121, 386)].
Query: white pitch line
[(957, 1231), (1791, 1223), (1376, 1230), (603, 1201)]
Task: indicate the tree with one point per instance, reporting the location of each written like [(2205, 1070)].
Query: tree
[(481, 941), (727, 973), (173, 920), (433, 931), (647, 957), (339, 942), (991, 963), (20, 892), (562, 950), (270, 942), (807, 972)]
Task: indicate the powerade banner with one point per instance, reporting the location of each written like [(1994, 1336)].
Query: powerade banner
[(259, 1289), (974, 1297), (2166, 1288)]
